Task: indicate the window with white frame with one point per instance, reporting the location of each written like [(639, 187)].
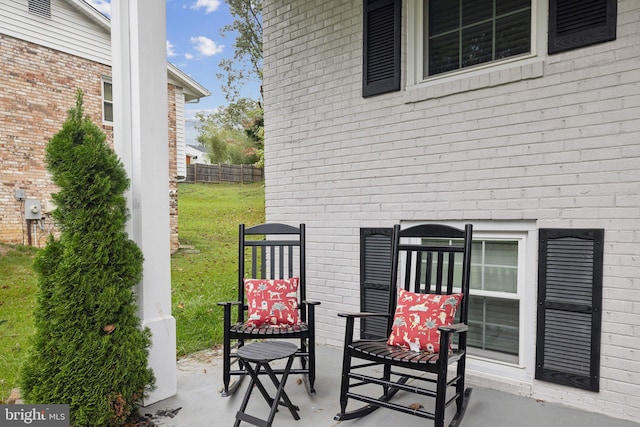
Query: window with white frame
[(494, 303), (463, 33), (457, 34), (107, 100), (495, 297)]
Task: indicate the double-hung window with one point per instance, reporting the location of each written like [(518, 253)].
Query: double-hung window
[(496, 296), (494, 303), (107, 100), (463, 33)]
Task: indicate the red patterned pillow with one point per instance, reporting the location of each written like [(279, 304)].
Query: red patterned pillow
[(274, 302), (417, 317)]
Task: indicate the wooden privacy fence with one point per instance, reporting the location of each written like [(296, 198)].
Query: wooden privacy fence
[(223, 173)]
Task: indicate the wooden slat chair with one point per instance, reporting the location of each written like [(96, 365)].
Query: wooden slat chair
[(432, 259), (269, 251)]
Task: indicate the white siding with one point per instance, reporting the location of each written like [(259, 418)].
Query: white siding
[(180, 136), (556, 142), (68, 30)]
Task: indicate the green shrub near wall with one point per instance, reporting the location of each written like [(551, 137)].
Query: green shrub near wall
[(89, 349)]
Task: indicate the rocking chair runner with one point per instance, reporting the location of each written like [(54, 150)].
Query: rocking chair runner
[(273, 252), (431, 259)]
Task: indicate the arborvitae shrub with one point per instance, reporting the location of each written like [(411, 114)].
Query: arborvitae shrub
[(90, 350)]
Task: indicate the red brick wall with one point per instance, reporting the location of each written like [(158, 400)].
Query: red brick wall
[(37, 87), (173, 170)]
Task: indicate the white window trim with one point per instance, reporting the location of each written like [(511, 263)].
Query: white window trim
[(522, 67), (526, 233)]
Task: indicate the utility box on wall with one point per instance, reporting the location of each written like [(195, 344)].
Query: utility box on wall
[(32, 209)]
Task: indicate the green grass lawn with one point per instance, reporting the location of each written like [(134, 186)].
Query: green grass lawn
[(209, 215), (17, 302)]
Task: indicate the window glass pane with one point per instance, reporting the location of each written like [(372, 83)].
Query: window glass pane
[(443, 53), (504, 6), (501, 252), (500, 279), (108, 111), (476, 252), (512, 37), (494, 324), (108, 91), (443, 16), (477, 44), (494, 266), (475, 11)]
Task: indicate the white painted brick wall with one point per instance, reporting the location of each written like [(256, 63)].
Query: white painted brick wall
[(555, 140)]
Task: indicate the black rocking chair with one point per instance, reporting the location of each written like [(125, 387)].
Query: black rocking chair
[(430, 259), (269, 251)]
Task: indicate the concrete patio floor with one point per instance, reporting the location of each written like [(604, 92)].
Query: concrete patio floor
[(199, 404)]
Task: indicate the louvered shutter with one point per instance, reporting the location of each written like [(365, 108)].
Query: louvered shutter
[(381, 46), (375, 275), (569, 307), (579, 23)]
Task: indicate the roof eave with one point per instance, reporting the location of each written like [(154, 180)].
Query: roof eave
[(192, 89)]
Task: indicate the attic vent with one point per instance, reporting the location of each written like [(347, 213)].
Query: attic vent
[(40, 8)]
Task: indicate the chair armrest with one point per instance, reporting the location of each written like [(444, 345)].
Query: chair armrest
[(310, 311), (445, 339), (363, 314), (226, 318), (455, 328), (351, 317), (229, 303)]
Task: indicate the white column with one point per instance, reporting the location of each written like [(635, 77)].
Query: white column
[(139, 66)]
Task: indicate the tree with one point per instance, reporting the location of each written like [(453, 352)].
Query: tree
[(89, 349), (247, 60), (234, 134)]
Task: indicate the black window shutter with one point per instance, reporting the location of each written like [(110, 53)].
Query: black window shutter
[(375, 275), (579, 23), (381, 46), (569, 307)]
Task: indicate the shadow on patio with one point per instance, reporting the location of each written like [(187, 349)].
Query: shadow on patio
[(199, 404)]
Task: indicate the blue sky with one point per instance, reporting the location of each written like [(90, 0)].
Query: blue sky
[(195, 45)]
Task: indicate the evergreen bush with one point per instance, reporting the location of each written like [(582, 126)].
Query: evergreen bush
[(89, 350)]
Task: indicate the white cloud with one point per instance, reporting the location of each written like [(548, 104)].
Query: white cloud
[(170, 51), (205, 46), (188, 56), (208, 5), (103, 6)]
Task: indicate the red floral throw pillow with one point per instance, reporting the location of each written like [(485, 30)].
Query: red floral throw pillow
[(417, 317), (272, 302)]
